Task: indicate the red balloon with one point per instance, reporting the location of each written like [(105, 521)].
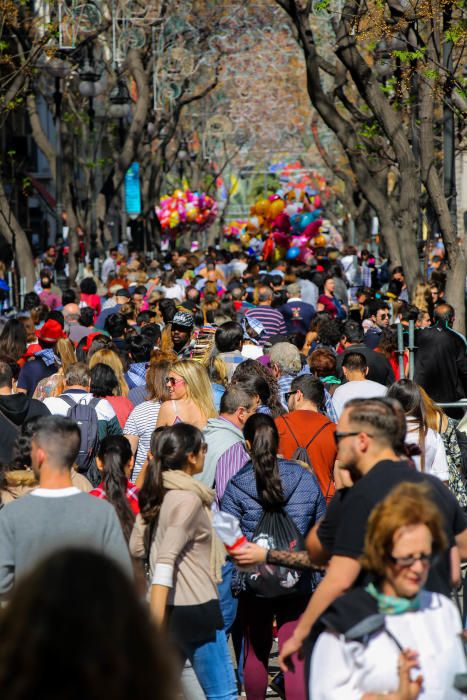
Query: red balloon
[(281, 222), (312, 229)]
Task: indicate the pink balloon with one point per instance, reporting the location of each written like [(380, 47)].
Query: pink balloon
[(281, 222)]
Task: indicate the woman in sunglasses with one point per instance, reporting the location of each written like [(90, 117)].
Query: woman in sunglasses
[(392, 639), (184, 557), (190, 396)]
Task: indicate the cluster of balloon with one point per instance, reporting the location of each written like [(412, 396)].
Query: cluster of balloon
[(234, 229), (290, 222), (183, 210)]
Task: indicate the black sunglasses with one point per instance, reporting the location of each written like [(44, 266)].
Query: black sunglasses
[(339, 436), (405, 562), (288, 394)]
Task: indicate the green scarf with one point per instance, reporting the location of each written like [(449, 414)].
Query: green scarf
[(392, 605), (330, 380)]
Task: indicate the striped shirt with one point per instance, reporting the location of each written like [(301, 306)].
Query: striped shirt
[(142, 423), (228, 465), (272, 320)]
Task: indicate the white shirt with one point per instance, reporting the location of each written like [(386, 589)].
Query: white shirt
[(59, 407), (361, 389), (435, 453), (343, 670)]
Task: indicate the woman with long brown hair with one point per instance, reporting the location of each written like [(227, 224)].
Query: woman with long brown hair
[(142, 420)]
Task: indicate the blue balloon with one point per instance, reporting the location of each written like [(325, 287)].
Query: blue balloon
[(295, 222), (306, 220), (292, 253), (317, 213)]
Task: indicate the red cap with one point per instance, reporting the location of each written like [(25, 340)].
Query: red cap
[(51, 331)]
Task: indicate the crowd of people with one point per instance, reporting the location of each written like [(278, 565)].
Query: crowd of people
[(165, 402)]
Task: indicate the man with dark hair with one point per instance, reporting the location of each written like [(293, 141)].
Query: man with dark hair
[(115, 326), (379, 369), (139, 347), (271, 319), (138, 295), (109, 266), (181, 331), (304, 426), (121, 296), (355, 369), (15, 410), (56, 515), (440, 358), (369, 437), (378, 314), (229, 342)]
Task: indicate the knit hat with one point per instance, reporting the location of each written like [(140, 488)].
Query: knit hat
[(183, 319), (51, 331)]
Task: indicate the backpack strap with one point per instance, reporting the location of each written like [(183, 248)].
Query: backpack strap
[(317, 433), (68, 400), (93, 402), (291, 432)]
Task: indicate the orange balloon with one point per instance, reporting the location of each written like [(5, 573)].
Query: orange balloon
[(319, 241), (261, 206)]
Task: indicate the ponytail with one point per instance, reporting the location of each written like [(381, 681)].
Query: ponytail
[(152, 491), (115, 453), (261, 432)]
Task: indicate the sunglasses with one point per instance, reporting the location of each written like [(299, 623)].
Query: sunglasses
[(173, 382), (406, 562), (288, 394), (340, 436), (181, 329), (384, 316)]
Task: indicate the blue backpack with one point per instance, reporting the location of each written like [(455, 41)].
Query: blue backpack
[(85, 415)]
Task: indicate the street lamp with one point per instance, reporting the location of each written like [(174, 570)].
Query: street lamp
[(120, 102), (91, 85), (183, 155), (58, 69)]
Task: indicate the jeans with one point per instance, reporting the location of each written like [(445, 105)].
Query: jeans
[(213, 667), (229, 608)]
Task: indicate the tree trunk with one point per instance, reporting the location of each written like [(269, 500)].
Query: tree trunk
[(10, 229)]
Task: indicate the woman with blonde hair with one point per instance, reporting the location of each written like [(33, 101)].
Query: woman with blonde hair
[(190, 396), (65, 354), (110, 358), (421, 298)]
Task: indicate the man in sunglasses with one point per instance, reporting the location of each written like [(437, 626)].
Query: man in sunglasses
[(369, 437), (379, 316), (181, 331)]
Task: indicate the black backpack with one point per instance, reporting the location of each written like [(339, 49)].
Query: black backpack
[(275, 530), (85, 415)]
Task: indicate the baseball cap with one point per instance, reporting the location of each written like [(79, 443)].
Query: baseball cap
[(183, 319)]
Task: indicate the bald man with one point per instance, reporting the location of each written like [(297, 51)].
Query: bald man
[(76, 331)]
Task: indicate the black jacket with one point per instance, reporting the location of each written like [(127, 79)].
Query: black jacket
[(15, 410), (441, 363)]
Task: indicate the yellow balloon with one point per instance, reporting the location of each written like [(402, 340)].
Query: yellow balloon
[(276, 208), (262, 206)]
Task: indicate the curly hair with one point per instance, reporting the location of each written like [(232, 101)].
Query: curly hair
[(248, 367)]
